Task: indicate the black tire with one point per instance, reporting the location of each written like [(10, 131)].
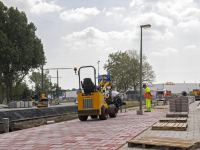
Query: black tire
[(82, 118), (94, 116), (104, 113), (112, 111)]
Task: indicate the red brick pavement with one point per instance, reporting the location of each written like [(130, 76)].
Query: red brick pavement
[(92, 134)]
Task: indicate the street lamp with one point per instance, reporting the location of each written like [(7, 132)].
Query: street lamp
[(98, 67), (42, 79), (140, 112)]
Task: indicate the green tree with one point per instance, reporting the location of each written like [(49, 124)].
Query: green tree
[(117, 67), (124, 68), (148, 75), (21, 91), (21, 50), (27, 92), (36, 79), (49, 88), (4, 42)]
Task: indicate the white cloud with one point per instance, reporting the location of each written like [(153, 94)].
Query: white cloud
[(109, 14), (79, 14), (160, 24), (35, 6), (189, 24), (181, 10), (174, 6), (164, 52), (92, 38), (104, 9), (40, 6), (188, 14), (118, 9), (136, 3), (157, 20), (116, 12), (190, 47), (157, 35)]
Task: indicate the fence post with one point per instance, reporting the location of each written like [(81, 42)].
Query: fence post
[(6, 124)]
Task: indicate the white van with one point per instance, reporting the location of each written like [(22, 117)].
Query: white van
[(161, 95)]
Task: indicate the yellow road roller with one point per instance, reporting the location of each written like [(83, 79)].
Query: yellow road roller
[(91, 98)]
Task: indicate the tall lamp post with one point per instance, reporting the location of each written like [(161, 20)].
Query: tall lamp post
[(98, 67), (42, 79), (140, 112)]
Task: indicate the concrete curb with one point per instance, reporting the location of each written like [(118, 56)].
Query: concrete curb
[(25, 114)]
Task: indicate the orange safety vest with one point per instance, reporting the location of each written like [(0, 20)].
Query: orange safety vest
[(147, 95)]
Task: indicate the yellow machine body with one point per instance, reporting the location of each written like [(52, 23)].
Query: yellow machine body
[(43, 103), (90, 104), (197, 95)]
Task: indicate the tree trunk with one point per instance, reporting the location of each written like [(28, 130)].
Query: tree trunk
[(7, 90), (11, 87), (1, 100)]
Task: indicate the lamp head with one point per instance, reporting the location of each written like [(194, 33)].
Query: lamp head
[(75, 69), (146, 26)]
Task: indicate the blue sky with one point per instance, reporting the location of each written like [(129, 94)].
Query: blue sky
[(77, 33)]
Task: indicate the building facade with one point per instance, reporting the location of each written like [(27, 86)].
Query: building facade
[(176, 88)]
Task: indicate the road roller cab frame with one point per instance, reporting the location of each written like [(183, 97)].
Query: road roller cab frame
[(91, 101), (42, 103)]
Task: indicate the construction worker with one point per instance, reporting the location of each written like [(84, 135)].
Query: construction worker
[(148, 98), (113, 92)]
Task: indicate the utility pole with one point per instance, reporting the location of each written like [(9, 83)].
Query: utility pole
[(50, 83), (57, 76)]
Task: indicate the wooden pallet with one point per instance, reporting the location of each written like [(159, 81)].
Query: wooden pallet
[(168, 143), (170, 126), (174, 120)]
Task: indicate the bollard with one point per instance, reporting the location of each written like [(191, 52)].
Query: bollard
[(121, 109), (6, 124)]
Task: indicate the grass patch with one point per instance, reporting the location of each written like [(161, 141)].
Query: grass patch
[(136, 103), (133, 103)]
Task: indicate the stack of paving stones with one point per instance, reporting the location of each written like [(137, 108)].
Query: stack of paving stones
[(14, 105), (179, 106), (20, 104)]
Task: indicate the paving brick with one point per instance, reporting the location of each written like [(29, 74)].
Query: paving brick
[(92, 134), (193, 130)]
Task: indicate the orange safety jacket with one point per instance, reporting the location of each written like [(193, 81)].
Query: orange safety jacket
[(147, 95)]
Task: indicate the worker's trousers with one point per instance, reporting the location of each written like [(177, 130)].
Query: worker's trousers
[(148, 104)]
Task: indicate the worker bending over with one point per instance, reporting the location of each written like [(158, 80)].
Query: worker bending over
[(114, 98), (113, 92), (148, 98)]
